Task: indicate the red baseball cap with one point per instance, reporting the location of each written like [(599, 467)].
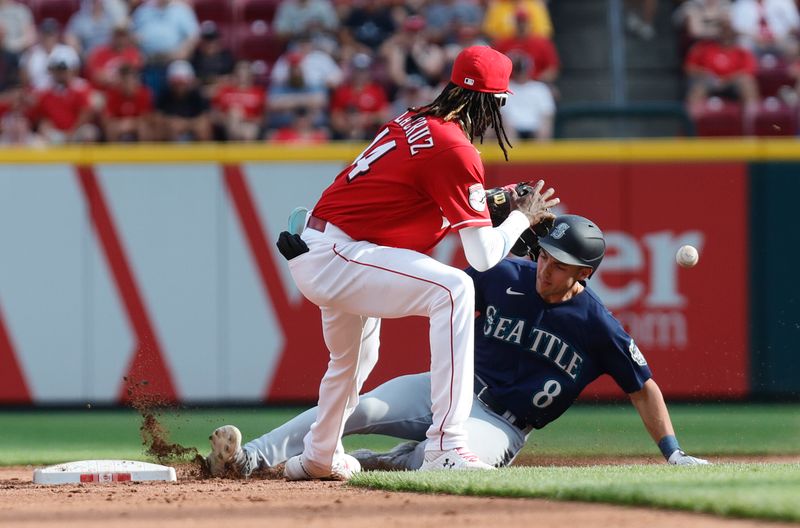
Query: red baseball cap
[(414, 23), (294, 58), (482, 69)]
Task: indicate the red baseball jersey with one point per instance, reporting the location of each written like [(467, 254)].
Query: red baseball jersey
[(62, 106), (370, 98), (106, 59), (119, 104), (540, 50), (722, 61), (251, 100), (418, 179)]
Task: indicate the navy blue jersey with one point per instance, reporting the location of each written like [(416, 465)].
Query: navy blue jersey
[(537, 357)]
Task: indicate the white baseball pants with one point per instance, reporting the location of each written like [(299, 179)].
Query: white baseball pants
[(355, 284), (401, 407)]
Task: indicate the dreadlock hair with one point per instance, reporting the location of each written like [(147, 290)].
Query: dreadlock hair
[(475, 111)]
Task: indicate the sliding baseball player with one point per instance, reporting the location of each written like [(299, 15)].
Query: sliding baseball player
[(542, 335)]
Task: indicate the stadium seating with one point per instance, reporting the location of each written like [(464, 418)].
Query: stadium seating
[(244, 26), (775, 118), (222, 13), (61, 10), (251, 10), (773, 73), (719, 118), (257, 43)]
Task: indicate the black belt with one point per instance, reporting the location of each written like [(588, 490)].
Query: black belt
[(484, 395), (318, 224)]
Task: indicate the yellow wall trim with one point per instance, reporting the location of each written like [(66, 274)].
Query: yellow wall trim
[(583, 151)]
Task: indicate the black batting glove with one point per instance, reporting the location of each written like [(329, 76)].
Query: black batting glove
[(290, 245)]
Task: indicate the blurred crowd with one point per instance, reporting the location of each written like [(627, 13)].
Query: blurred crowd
[(742, 63), (317, 70), (254, 70)]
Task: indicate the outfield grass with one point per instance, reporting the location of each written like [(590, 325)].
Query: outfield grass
[(702, 429), (39, 437), (48, 437), (763, 491)]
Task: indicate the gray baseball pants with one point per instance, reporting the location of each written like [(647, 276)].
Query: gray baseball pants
[(401, 407)]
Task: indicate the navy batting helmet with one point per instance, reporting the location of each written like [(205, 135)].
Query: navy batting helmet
[(575, 240)]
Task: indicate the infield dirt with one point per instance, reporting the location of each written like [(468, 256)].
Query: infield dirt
[(268, 500), (211, 503)]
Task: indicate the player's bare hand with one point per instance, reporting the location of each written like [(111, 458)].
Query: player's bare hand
[(534, 203)]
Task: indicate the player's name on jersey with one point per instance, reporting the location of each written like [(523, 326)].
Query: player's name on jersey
[(536, 340), (418, 134)]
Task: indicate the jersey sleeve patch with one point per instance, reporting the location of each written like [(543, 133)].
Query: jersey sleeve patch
[(636, 354), (477, 197)]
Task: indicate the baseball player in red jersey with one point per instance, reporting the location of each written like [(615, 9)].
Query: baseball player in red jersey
[(420, 178)]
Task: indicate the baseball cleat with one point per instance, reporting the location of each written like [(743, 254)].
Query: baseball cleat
[(298, 468), (454, 459), (227, 457), (394, 460)]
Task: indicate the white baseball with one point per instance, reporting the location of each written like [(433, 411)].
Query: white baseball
[(687, 256)]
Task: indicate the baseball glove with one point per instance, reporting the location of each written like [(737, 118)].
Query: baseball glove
[(500, 204)]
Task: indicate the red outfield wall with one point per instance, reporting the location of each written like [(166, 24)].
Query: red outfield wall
[(170, 274), (691, 324)]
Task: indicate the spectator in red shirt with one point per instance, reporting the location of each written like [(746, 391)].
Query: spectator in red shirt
[(359, 106), (301, 130), (128, 113), (64, 111), (238, 106), (541, 51), (105, 60), (721, 67)]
